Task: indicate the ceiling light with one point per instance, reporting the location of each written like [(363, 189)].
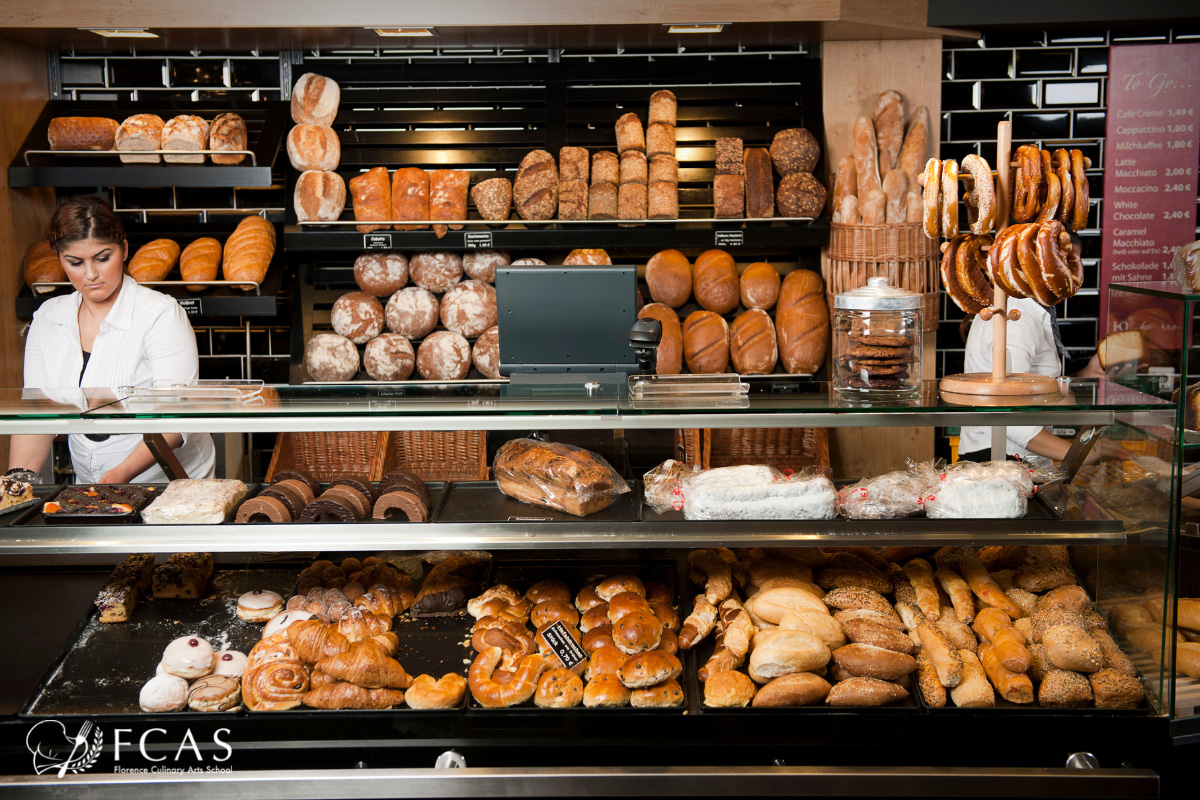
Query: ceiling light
[(697, 27), (123, 33), (404, 31)]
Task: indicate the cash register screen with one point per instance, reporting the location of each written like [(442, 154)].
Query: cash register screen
[(566, 319)]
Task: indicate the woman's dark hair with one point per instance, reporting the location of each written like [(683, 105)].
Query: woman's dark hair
[(83, 218)]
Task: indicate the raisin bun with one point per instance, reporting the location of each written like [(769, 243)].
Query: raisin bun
[(389, 357), (358, 316), (412, 312), (469, 308), (436, 270), (480, 265), (381, 274), (330, 357), (444, 356), (486, 353)]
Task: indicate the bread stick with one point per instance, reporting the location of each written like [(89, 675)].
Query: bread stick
[(959, 592), (985, 588), (946, 660), (920, 575), (1014, 687)]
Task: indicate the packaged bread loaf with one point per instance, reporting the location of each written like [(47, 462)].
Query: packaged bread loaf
[(139, 132), (249, 250), (410, 197), (313, 147), (802, 322), (371, 193), (555, 475), (448, 197), (154, 260), (758, 492), (669, 356), (185, 132), (200, 261), (320, 196), (82, 133), (228, 132), (315, 99), (42, 266)]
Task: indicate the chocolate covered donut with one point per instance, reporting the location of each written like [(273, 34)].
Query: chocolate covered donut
[(404, 480), (298, 475), (405, 501), (302, 490), (362, 485), (335, 507), (356, 499), (292, 499), (263, 506)]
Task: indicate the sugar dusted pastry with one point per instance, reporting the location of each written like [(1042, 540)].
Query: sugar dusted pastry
[(195, 502)]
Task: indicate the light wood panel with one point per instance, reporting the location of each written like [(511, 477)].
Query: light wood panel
[(24, 212), (853, 75)]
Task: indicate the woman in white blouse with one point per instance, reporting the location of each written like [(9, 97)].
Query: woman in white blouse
[(110, 332)]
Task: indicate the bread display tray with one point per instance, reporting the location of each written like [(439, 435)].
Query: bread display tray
[(152, 491), (1006, 708), (482, 501), (34, 518)]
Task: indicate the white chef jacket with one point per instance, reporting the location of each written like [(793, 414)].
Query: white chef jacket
[(1030, 349), (145, 337)]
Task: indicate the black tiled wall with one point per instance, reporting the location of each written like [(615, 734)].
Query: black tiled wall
[(1053, 86)]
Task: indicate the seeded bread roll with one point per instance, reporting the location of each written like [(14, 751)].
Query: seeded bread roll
[(802, 195), (493, 198), (630, 135), (715, 281), (865, 692), (1061, 688), (795, 150), (670, 348), (535, 190), (729, 151), (706, 342)]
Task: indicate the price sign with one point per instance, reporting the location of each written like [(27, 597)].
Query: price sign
[(1150, 180), (377, 241), (191, 306), (563, 644), (730, 238), (481, 240)]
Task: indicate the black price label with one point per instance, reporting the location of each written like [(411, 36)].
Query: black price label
[(377, 241), (730, 238), (481, 240), (563, 645), (785, 388), (191, 305), (528, 519)]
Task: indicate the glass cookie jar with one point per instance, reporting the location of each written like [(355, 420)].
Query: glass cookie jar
[(877, 340)]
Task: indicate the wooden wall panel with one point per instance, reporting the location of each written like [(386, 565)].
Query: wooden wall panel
[(24, 213)]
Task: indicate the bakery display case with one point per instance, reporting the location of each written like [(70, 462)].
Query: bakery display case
[(1121, 538)]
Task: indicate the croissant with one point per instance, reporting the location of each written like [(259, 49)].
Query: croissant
[(382, 573), (387, 641), (318, 678), (357, 624), (367, 666), (490, 694), (270, 648), (275, 686), (314, 640), (379, 600), (347, 695), (445, 692)]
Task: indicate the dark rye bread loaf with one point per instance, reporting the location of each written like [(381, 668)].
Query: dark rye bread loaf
[(535, 190)]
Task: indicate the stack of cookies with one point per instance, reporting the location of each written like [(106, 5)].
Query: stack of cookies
[(878, 361)]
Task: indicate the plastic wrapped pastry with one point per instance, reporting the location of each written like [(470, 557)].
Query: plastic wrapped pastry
[(758, 492), (894, 495), (557, 476), (195, 502), (988, 490), (664, 485)]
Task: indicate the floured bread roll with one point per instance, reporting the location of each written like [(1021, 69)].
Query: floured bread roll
[(757, 492)]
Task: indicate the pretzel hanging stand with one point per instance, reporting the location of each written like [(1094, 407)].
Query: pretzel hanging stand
[(983, 388)]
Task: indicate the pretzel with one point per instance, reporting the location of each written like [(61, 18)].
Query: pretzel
[(1080, 217), (1066, 205), (931, 197), (954, 289), (1031, 266), (981, 199), (1059, 260), (949, 198), (1026, 181), (999, 255), (1053, 196), (970, 262)]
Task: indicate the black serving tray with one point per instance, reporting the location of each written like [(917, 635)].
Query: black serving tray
[(34, 518), (41, 494), (106, 519), (482, 501)]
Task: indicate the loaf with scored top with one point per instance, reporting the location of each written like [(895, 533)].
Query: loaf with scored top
[(140, 132), (185, 132), (200, 261), (154, 260), (42, 265), (228, 132), (320, 196), (802, 322), (249, 250)]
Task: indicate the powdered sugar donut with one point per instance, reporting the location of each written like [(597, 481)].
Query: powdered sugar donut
[(412, 312), (444, 356), (534, 261), (188, 657), (480, 265), (436, 270), (358, 316), (282, 620), (163, 693), (389, 357), (486, 353), (330, 357), (231, 663), (469, 308), (381, 274)]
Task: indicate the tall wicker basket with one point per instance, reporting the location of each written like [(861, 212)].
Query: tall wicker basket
[(782, 448), (326, 456), (901, 252), (437, 455)]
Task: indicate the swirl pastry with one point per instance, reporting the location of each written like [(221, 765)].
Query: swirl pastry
[(275, 685), (270, 648)]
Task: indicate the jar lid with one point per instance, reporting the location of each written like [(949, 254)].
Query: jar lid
[(878, 295)]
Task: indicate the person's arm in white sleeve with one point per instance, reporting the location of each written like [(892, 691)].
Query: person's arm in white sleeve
[(1022, 338), (30, 450)]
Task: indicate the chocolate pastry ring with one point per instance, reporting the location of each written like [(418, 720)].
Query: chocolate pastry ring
[(262, 506), (361, 505), (403, 500), (363, 486), (335, 507), (299, 487), (407, 480), (291, 500), (298, 475)]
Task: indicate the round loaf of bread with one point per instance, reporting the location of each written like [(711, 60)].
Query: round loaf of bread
[(787, 691), (314, 147), (1070, 647), (358, 316), (444, 356), (794, 150), (480, 265), (623, 604), (760, 285), (587, 257), (598, 639), (669, 278), (728, 689), (330, 357), (532, 261), (469, 308), (412, 312), (486, 353), (802, 322), (389, 357), (315, 99), (752, 343), (670, 348), (706, 342), (548, 589), (649, 668), (320, 197), (595, 617), (381, 274), (436, 270), (715, 281), (869, 661), (606, 691), (613, 585), (800, 195)]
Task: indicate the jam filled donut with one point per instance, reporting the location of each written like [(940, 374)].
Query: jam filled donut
[(970, 262), (189, 657), (931, 197), (981, 199), (949, 201), (1032, 269), (954, 289), (1026, 181), (1066, 184), (1080, 209), (1059, 259), (259, 605), (231, 663)]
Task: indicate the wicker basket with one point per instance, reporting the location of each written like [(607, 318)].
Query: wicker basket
[(782, 448), (901, 252), (326, 456), (437, 455)]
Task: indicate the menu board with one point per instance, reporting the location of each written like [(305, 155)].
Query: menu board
[(1150, 165)]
